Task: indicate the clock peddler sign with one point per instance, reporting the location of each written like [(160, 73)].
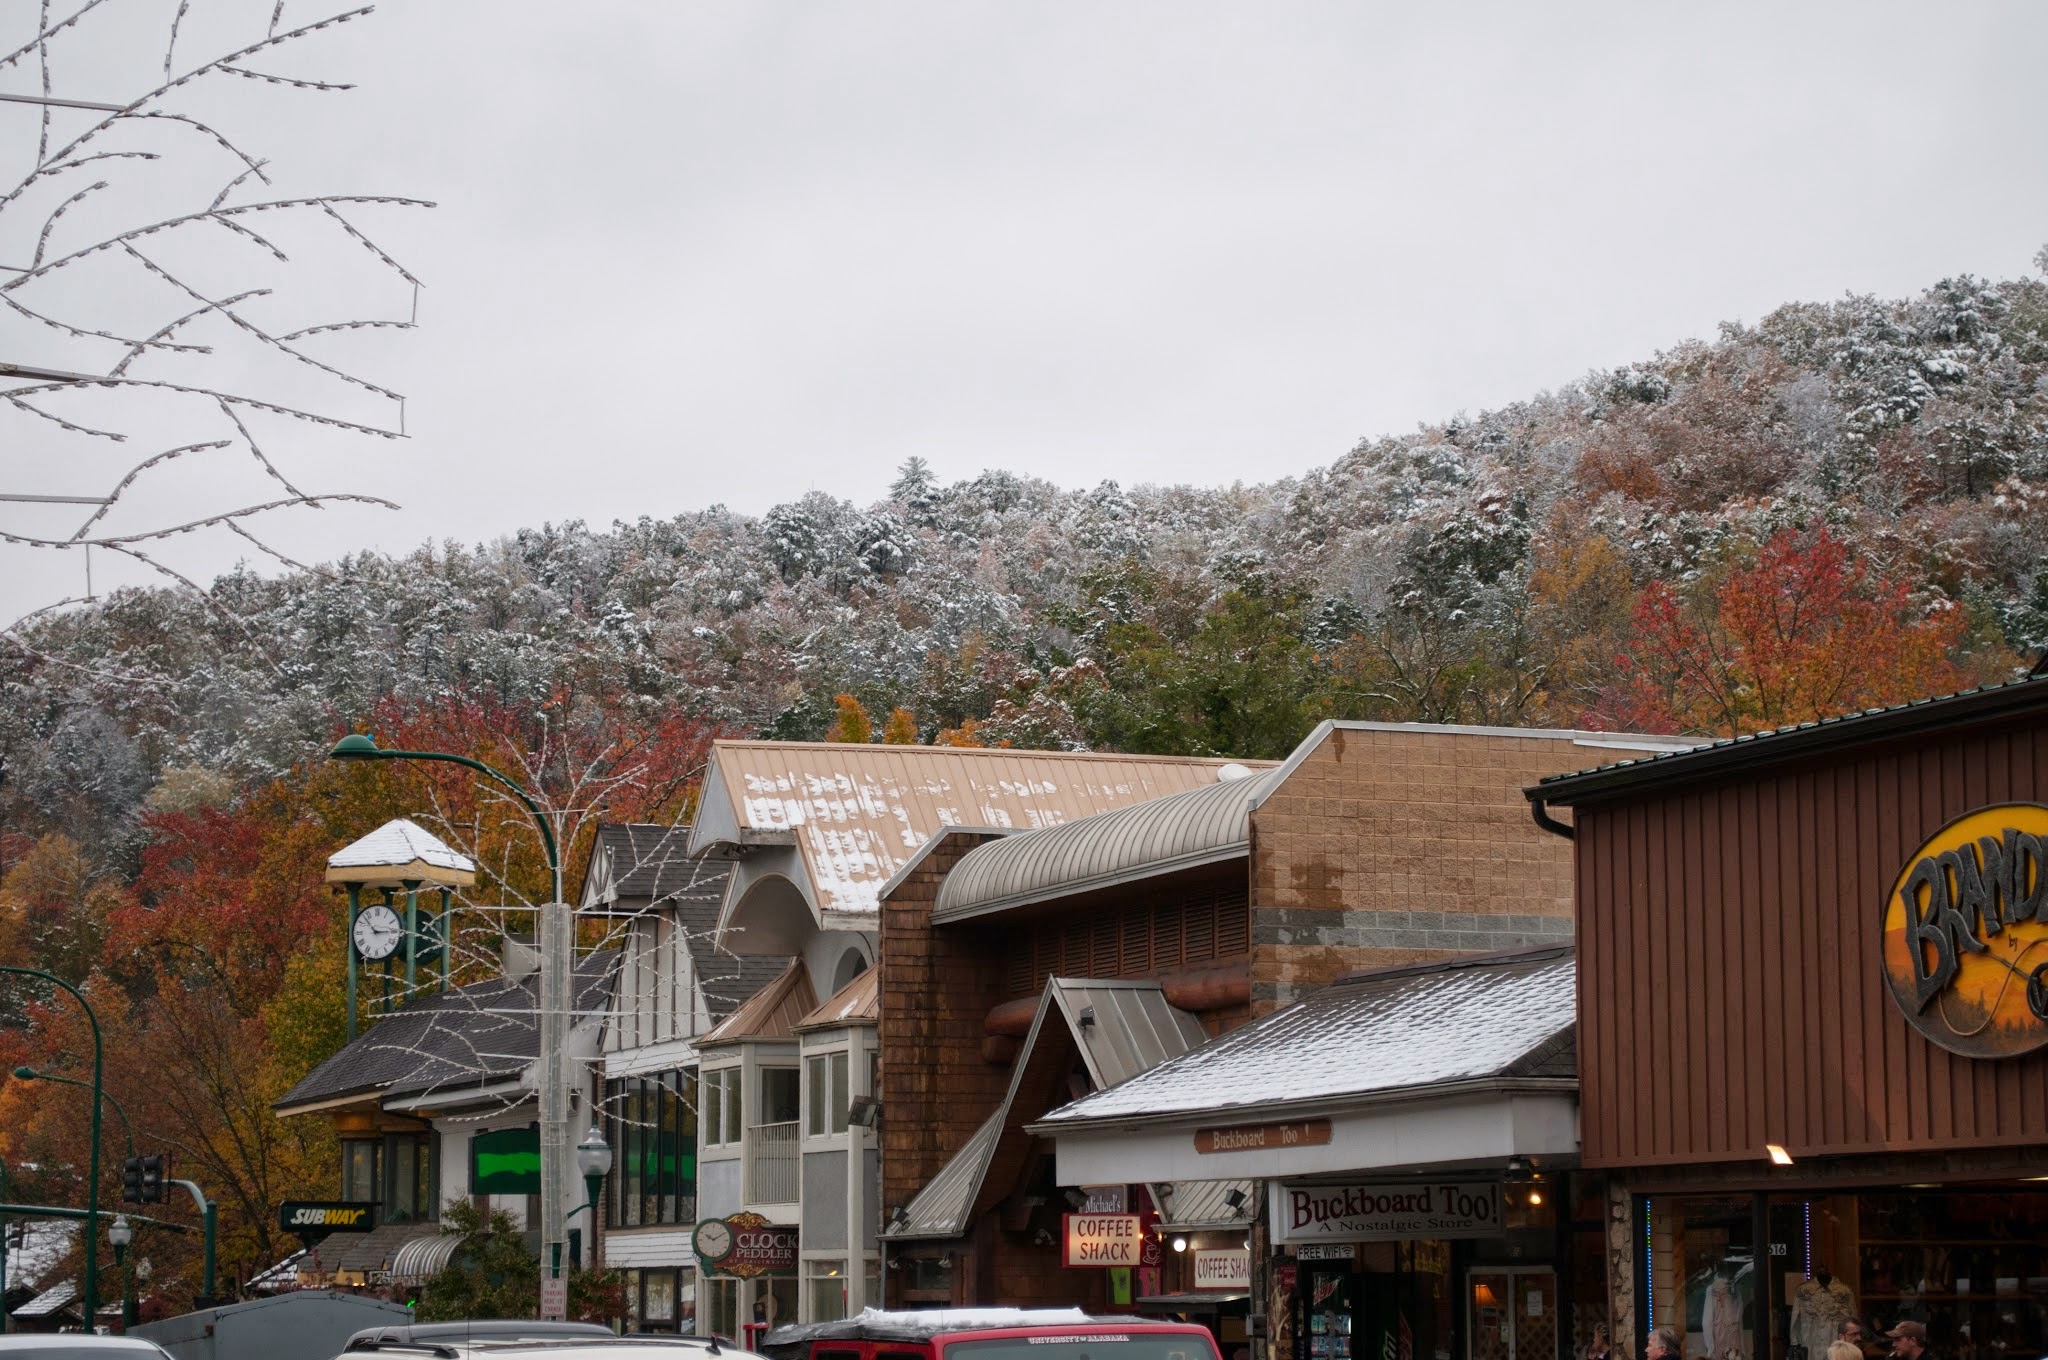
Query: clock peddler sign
[(745, 1245)]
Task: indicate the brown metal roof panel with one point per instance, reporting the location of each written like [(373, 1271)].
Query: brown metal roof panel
[(774, 1012), (857, 813)]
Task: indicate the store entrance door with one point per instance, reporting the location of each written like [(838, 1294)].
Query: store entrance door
[(1513, 1313)]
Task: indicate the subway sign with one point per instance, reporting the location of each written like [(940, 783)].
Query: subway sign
[(1965, 931), (314, 1219)]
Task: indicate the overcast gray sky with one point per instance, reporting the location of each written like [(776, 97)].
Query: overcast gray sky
[(689, 253)]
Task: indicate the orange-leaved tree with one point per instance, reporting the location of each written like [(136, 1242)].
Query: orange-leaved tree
[(1798, 631)]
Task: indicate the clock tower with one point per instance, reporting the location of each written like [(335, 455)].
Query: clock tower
[(398, 860)]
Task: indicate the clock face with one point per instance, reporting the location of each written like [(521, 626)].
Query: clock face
[(714, 1239), (377, 933)]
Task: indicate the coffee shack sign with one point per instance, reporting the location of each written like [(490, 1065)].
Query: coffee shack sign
[(1966, 933), (1376, 1213)]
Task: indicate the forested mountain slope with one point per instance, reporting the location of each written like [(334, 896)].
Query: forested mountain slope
[(1863, 470)]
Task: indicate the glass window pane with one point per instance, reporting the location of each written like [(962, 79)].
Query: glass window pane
[(714, 1092), (780, 1097), (814, 1096), (686, 1154), (827, 1290), (735, 1107), (650, 1151), (840, 1095)]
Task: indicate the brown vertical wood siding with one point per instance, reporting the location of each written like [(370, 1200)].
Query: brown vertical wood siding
[(1731, 991)]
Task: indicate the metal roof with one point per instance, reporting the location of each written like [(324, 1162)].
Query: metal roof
[(774, 1012), (940, 1209), (859, 1002), (1120, 1027), (1178, 831), (397, 852), (1400, 1030), (856, 813), (1205, 1204), (55, 1299), (1786, 743)]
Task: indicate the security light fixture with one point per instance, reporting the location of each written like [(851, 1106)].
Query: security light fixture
[(864, 1112), (1779, 1157), (897, 1218), (1076, 1200), (1234, 1197), (1180, 1244), (1087, 1017), (1518, 1168)]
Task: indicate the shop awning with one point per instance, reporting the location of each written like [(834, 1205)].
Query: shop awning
[(424, 1256), (1467, 1061), (1191, 1205)]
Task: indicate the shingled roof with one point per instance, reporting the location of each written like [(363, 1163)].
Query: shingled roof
[(637, 866), (465, 1037)]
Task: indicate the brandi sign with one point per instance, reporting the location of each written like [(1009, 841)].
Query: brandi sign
[(1966, 933)]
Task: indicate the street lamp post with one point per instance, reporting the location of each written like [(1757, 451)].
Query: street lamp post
[(593, 1163), (92, 1197), (555, 945), (127, 1125), (120, 1234)]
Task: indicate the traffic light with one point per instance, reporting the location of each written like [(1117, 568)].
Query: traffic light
[(156, 1169), (131, 1180)]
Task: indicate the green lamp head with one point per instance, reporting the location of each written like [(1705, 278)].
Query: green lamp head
[(356, 746), (25, 1073)]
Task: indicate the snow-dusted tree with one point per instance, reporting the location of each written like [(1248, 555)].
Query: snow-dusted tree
[(172, 302)]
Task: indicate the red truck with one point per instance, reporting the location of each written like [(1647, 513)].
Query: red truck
[(989, 1334)]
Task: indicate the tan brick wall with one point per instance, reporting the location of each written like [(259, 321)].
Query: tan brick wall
[(1394, 847)]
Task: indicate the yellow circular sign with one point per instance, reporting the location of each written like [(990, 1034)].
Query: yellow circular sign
[(1966, 933)]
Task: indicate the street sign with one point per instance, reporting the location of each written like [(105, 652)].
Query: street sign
[(554, 1298)]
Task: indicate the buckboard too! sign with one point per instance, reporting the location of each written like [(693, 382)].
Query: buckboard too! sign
[(1377, 1213), (1104, 1240)]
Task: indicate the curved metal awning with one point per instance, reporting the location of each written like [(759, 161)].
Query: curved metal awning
[(424, 1256), (1179, 831)]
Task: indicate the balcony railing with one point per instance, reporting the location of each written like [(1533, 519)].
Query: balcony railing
[(772, 1163)]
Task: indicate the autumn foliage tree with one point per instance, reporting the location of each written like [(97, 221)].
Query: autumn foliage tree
[(1800, 630)]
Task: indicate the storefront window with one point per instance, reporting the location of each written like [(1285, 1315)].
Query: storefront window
[(651, 1123), (825, 1290), (1700, 1260), (720, 1310)]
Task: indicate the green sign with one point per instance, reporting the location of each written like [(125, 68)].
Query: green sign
[(505, 1162)]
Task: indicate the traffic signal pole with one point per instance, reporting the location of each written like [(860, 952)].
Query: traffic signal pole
[(209, 1215)]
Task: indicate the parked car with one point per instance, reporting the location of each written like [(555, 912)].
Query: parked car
[(78, 1346), (990, 1334), (520, 1342), (483, 1329)]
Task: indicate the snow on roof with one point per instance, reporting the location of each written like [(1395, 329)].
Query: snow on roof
[(36, 1247), (52, 1300), (857, 812), (1397, 1029), (407, 850), (922, 1323)]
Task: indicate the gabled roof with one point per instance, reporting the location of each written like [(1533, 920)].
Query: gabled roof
[(771, 1013), (859, 1002), (637, 865), (1474, 1019), (56, 1299), (465, 1037), (855, 813), (1178, 831), (1119, 1028), (397, 852)]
